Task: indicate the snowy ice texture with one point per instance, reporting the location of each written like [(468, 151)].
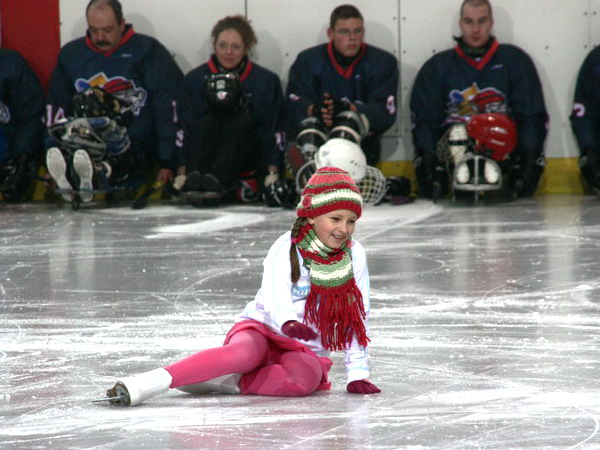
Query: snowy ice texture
[(485, 327)]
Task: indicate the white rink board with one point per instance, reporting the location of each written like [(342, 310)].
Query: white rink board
[(556, 33)]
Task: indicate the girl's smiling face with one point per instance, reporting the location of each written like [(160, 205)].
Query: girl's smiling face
[(335, 227)]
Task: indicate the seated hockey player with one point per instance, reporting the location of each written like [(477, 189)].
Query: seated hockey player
[(229, 111), (344, 74), (92, 150), (479, 75), (21, 127), (131, 66)]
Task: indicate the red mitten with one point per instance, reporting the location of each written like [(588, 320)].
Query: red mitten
[(362, 387), (295, 329)]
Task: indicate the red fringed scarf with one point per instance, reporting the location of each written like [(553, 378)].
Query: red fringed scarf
[(334, 303)]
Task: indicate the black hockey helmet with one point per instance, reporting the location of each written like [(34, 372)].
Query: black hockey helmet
[(96, 102), (224, 92)]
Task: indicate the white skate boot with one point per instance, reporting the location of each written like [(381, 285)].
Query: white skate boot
[(57, 166), (463, 175), (491, 173), (131, 391), (225, 384), (82, 164)]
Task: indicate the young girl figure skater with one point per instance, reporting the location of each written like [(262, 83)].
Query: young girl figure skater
[(314, 298)]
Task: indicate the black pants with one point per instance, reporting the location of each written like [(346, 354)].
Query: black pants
[(224, 146)]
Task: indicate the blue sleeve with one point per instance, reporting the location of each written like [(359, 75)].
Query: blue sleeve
[(269, 120), (585, 116), (60, 94), (191, 107), (380, 106), (303, 88), (527, 107), (26, 103), (161, 77), (428, 106)]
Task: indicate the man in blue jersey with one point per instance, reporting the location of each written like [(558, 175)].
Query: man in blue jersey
[(127, 77), (345, 74), (479, 76)]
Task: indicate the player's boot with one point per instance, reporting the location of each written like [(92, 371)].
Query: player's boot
[(225, 384), (213, 190), (463, 175), (491, 173), (131, 391), (57, 166), (82, 164)]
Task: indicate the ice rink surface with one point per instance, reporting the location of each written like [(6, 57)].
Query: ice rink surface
[(485, 327)]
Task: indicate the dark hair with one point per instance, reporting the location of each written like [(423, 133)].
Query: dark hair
[(343, 12), (299, 223), (475, 3), (115, 5), (239, 24)]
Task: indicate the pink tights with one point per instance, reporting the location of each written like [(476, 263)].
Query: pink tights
[(247, 352)]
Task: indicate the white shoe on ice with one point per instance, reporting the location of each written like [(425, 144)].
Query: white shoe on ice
[(491, 173), (82, 164), (462, 174), (131, 391), (225, 384), (57, 166)]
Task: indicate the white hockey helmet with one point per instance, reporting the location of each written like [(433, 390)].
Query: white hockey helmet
[(343, 154)]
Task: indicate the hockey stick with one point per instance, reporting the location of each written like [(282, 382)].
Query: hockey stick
[(142, 200)]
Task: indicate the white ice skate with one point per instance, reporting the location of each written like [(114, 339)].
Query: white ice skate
[(57, 166), (82, 164), (225, 384), (131, 391)]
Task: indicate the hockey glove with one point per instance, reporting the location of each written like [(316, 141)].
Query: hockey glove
[(590, 169), (18, 175), (297, 330), (362, 387), (431, 176), (529, 170)]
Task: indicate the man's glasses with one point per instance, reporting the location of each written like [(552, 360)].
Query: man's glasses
[(346, 32)]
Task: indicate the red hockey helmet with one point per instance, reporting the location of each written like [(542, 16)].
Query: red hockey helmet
[(495, 134)]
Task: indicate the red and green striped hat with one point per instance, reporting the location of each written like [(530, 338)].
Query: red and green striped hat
[(327, 190)]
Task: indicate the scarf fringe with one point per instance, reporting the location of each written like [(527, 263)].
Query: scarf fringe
[(338, 315)]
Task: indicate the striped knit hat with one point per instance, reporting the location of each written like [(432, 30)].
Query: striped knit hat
[(327, 190)]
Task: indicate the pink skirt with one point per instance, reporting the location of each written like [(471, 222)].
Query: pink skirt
[(279, 345)]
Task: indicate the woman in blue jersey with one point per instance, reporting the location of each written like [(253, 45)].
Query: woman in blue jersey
[(229, 110)]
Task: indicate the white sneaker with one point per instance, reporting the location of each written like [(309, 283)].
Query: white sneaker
[(491, 173), (132, 391), (462, 174), (82, 164), (57, 166)]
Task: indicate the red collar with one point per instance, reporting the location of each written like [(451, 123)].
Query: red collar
[(128, 34), (214, 69), (345, 72), (479, 65)]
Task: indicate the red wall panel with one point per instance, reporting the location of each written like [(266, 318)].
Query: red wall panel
[(32, 27)]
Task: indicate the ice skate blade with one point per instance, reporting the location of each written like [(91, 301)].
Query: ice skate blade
[(107, 399)]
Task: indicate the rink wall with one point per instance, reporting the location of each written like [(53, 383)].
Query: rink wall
[(557, 34)]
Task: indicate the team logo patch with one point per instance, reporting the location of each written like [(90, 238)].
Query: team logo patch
[(473, 100), (390, 105), (579, 110), (122, 88)]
